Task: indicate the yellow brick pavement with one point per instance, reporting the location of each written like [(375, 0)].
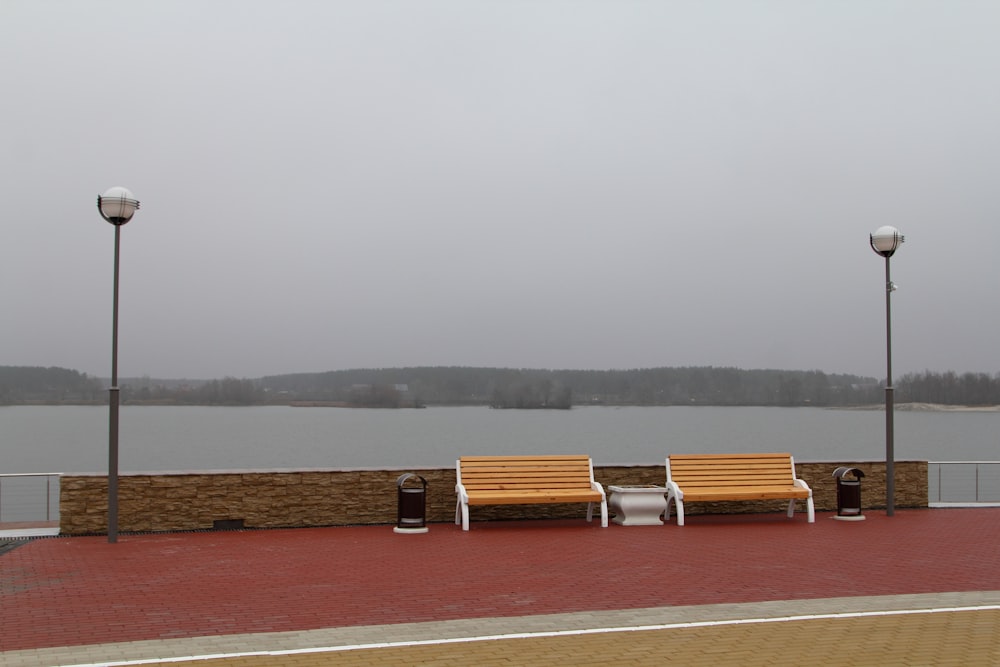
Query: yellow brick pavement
[(959, 638)]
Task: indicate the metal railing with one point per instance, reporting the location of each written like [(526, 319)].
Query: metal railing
[(29, 497), (963, 483)]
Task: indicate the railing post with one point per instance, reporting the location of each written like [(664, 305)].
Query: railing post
[(939, 482), (977, 482)]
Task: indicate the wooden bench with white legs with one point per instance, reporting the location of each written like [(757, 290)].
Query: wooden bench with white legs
[(721, 477), (525, 480)]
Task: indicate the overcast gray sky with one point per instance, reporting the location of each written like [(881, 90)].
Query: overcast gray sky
[(547, 184)]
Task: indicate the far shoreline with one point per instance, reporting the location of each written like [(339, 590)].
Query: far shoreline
[(925, 407), (899, 407)]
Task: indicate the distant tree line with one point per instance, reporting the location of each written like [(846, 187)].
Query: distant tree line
[(949, 388), (509, 388), (31, 384), (533, 388), (27, 384), (536, 394), (227, 391)]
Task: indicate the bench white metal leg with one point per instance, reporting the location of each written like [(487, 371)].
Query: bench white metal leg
[(462, 515), (677, 498)]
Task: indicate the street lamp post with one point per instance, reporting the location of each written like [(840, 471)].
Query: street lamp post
[(884, 242), (117, 206)]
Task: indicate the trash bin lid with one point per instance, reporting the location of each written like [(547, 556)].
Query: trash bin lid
[(406, 476), (845, 470)]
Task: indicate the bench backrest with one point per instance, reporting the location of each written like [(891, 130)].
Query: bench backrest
[(525, 473), (720, 470)]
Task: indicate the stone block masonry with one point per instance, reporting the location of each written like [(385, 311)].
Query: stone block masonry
[(204, 500)]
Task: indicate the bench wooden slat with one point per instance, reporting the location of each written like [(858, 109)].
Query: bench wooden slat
[(722, 477), (729, 457), (708, 481), (725, 470), (526, 457), (737, 481), (529, 481), (718, 468), (537, 497), (532, 482), (524, 489), (754, 465), (745, 493), (532, 472)]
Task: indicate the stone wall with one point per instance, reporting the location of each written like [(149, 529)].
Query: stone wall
[(261, 499)]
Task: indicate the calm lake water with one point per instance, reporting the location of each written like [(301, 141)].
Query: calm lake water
[(75, 439)]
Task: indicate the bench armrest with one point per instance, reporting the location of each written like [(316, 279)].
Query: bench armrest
[(674, 491)]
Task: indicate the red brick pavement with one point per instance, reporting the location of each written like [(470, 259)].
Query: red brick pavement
[(73, 591)]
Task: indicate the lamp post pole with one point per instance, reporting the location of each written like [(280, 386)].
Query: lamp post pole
[(885, 241), (890, 406), (117, 206)]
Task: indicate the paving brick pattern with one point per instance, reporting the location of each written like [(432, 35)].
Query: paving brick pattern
[(77, 594)]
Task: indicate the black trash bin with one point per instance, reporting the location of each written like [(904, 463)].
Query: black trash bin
[(848, 493), (411, 505)]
